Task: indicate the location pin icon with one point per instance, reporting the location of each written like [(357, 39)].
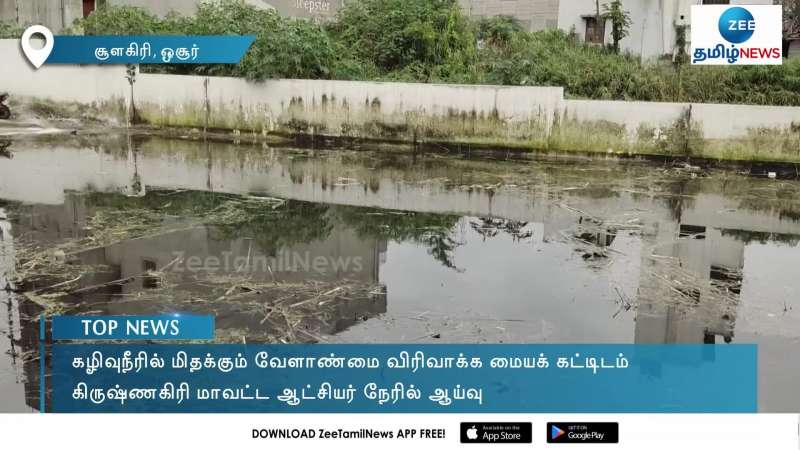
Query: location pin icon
[(37, 57)]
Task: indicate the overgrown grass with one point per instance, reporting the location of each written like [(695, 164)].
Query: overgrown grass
[(557, 59), (9, 31)]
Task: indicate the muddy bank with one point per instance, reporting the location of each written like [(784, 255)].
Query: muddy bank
[(96, 133), (690, 163)]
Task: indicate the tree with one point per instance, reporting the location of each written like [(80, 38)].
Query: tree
[(423, 37), (498, 30), (620, 22), (283, 48), (791, 18)]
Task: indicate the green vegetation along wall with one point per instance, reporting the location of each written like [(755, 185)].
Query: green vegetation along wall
[(433, 41)]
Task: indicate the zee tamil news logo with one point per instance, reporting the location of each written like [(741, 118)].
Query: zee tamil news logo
[(737, 25), (723, 35)]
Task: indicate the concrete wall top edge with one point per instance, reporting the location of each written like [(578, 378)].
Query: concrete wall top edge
[(744, 107), (390, 83), (588, 102)]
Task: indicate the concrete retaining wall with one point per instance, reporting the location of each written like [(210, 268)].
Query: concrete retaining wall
[(717, 121), (345, 108), (533, 15), (82, 84), (737, 132), (500, 116)]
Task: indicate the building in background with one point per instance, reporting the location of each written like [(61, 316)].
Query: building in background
[(308, 9), (652, 32), (59, 14), (791, 37), (533, 15), (54, 14)]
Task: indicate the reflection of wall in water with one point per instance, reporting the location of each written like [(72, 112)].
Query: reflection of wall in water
[(50, 223), (701, 302), (23, 344), (697, 313), (14, 335), (199, 245), (21, 352), (19, 314), (342, 255), (6, 252), (29, 341)]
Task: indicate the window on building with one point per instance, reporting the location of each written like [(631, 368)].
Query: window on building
[(716, 2), (88, 7), (595, 31), (148, 267)]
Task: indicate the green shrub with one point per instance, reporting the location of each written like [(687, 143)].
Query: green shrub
[(9, 31), (552, 58), (423, 39), (498, 31), (284, 48)]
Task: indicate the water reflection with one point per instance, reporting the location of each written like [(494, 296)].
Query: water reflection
[(384, 247), (19, 376), (182, 261)]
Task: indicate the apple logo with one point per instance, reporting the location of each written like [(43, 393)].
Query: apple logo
[(472, 433)]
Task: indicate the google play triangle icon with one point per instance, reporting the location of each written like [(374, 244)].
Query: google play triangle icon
[(556, 432)]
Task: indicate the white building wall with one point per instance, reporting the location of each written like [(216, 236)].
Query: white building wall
[(53, 14), (161, 8), (534, 15), (652, 33), (314, 9)]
